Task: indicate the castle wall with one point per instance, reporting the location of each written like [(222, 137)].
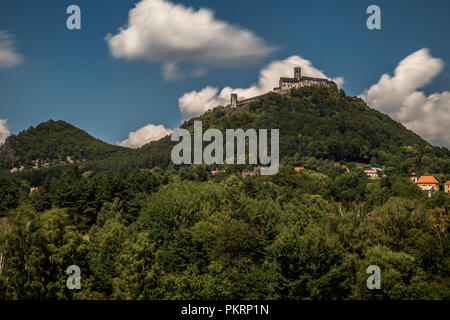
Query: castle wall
[(285, 86), (234, 101)]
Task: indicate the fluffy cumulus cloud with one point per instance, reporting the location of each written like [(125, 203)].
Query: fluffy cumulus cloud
[(4, 130), (145, 135), (8, 55), (161, 31), (399, 97), (197, 102), (171, 71)]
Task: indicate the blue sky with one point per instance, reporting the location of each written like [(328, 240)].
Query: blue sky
[(74, 76)]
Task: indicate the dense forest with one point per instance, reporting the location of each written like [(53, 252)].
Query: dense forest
[(141, 228)]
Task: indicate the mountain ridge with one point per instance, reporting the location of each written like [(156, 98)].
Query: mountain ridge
[(318, 122)]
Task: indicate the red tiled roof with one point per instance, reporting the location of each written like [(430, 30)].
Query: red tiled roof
[(427, 179), (448, 182), (252, 173), (297, 169), (33, 189)]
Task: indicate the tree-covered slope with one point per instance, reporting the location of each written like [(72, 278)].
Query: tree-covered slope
[(52, 143), (180, 233), (325, 123)]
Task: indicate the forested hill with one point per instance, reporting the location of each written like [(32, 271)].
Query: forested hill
[(52, 143), (178, 233), (323, 123)]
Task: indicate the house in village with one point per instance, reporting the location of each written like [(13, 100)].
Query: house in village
[(429, 190), (214, 172), (428, 181), (250, 173), (33, 189), (447, 187), (428, 184), (374, 172)]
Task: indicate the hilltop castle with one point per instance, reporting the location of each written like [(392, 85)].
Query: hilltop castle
[(298, 81), (285, 86)]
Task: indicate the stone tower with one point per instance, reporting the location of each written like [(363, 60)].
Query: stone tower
[(413, 175), (234, 100), (298, 73)]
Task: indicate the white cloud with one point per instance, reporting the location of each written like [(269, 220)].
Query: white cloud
[(171, 71), (8, 55), (160, 31), (145, 135), (197, 102), (398, 96), (4, 130)]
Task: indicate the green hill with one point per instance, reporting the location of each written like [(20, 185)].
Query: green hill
[(325, 123), (179, 233), (322, 123), (52, 143)]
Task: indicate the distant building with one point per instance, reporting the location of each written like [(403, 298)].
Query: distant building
[(428, 181), (217, 171), (298, 81), (374, 172), (33, 189), (371, 173), (298, 169), (429, 190), (250, 173), (447, 187)]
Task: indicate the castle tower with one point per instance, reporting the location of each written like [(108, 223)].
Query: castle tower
[(298, 73), (234, 100), (413, 175)]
